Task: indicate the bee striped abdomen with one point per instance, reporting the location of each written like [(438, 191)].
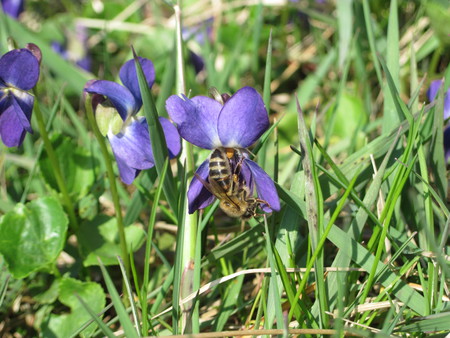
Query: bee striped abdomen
[(219, 169)]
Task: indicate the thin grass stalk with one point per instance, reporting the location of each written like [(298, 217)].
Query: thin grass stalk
[(187, 272), (321, 242), (56, 167), (39, 151), (148, 248), (112, 184)]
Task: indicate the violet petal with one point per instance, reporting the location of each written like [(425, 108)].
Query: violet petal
[(172, 137), (198, 196), (119, 96), (196, 119), (13, 7), (447, 143), (264, 187), (243, 119), (19, 68), (127, 173), (433, 89), (447, 105), (11, 130), (22, 104), (129, 77), (133, 145)]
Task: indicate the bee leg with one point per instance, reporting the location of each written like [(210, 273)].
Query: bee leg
[(260, 201)]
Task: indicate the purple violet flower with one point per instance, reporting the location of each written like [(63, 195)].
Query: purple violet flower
[(130, 142), (19, 72), (432, 93), (75, 48), (13, 7), (238, 123)]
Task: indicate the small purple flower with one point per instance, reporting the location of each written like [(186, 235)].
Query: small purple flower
[(238, 123), (432, 93), (130, 142), (12, 7), (19, 72), (75, 48)]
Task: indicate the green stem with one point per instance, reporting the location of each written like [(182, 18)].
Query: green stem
[(191, 270), (56, 167), (112, 183)]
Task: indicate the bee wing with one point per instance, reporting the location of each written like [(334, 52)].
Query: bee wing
[(221, 196)]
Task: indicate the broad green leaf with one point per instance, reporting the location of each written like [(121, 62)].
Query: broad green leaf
[(100, 238), (32, 235), (349, 116), (63, 325), (76, 164)]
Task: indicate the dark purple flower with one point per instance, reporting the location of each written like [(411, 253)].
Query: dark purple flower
[(75, 48), (199, 33), (238, 123), (19, 72), (130, 142), (12, 7), (432, 93)]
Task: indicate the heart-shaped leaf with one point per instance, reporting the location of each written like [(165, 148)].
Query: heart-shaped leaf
[(32, 235), (65, 325)]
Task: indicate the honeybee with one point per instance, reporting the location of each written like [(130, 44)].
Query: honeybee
[(228, 186)]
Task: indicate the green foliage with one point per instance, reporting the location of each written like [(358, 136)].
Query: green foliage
[(69, 289), (100, 238), (361, 239), (76, 164), (32, 236)]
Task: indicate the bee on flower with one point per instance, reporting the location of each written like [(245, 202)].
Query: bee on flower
[(226, 126)]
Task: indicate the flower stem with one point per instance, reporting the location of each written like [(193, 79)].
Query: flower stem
[(112, 183), (189, 260), (56, 167)]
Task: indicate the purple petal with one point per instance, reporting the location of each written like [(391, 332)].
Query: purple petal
[(20, 68), (447, 105), (12, 7), (22, 105), (127, 173), (11, 130), (129, 77), (447, 143), (198, 196), (196, 119), (133, 146), (119, 96), (172, 137), (243, 119), (264, 187), (433, 90)]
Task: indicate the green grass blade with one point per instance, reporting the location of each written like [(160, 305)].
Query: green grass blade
[(391, 116), (122, 313), (103, 327), (366, 260), (274, 303), (345, 25), (130, 294), (148, 246), (159, 146)]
